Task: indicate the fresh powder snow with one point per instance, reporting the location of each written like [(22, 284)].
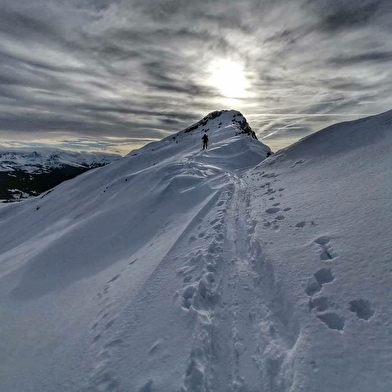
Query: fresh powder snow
[(177, 269)]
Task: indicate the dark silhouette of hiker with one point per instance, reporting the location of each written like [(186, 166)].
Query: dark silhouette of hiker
[(205, 141)]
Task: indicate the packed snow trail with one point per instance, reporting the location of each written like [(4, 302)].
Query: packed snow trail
[(236, 338), (249, 328), (228, 292)]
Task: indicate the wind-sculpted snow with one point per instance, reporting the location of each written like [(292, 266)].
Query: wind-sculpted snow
[(176, 269)]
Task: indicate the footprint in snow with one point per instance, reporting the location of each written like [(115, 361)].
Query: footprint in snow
[(321, 277), (96, 338), (212, 223), (187, 296), (270, 175), (272, 210), (114, 278), (187, 279), (320, 302), (327, 253), (114, 343), (299, 162), (219, 237), (192, 239), (109, 324), (362, 308), (312, 287), (324, 275), (332, 320), (218, 226)]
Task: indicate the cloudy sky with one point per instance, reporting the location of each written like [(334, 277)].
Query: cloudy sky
[(113, 75)]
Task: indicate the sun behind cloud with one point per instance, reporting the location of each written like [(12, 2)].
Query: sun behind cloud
[(229, 78)]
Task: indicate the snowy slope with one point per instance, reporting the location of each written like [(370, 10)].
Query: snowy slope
[(176, 269), (323, 211)]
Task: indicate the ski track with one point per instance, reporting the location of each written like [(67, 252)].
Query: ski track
[(246, 328)]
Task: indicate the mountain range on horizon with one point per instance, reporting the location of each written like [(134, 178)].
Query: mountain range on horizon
[(28, 172), (177, 269)]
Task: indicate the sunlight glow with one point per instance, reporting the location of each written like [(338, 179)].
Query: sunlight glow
[(229, 78)]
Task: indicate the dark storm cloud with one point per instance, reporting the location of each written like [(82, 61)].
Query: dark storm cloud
[(139, 70), (17, 24), (369, 57), (340, 15), (345, 84)]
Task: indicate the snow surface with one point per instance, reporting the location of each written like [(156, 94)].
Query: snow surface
[(32, 160), (176, 269)]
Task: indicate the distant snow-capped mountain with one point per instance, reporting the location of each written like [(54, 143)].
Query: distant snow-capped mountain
[(28, 172), (46, 159)]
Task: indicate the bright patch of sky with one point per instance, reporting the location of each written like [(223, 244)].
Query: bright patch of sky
[(120, 74)]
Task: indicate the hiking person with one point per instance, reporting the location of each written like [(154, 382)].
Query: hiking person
[(205, 141)]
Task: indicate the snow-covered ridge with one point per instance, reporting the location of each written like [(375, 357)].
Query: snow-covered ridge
[(344, 138), (218, 125), (182, 270), (222, 118), (34, 160)]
